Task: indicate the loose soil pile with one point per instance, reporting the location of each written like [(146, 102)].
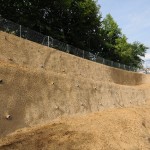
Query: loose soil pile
[(116, 129)]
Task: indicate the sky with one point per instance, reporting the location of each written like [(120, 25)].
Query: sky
[(133, 17)]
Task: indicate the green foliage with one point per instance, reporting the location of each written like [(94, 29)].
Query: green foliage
[(76, 22), (138, 50), (84, 23), (123, 49), (116, 47), (109, 32)]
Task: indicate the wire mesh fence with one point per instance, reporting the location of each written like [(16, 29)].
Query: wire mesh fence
[(26, 33)]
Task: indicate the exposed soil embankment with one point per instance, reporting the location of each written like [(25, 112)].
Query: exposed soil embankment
[(35, 96), (39, 84), (117, 129), (23, 52)]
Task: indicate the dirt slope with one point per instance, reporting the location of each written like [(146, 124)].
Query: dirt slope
[(16, 50), (116, 129), (29, 96), (40, 84)]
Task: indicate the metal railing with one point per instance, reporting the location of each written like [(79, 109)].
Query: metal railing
[(26, 33)]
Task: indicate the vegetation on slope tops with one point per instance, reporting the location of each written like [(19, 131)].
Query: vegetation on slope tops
[(76, 22)]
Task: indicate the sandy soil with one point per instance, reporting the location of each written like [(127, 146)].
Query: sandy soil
[(16, 50), (44, 83), (116, 129)]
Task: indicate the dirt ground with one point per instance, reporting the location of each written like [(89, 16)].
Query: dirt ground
[(41, 84), (116, 129)]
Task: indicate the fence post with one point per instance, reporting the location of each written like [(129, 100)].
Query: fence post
[(111, 63), (20, 30), (48, 41), (119, 65), (52, 41), (83, 53), (67, 48), (103, 61)]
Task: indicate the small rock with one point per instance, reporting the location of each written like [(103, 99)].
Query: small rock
[(8, 117)]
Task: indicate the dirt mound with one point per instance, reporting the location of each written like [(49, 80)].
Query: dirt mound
[(118, 129)]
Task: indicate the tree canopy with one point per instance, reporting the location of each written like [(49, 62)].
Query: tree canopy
[(76, 22), (116, 47)]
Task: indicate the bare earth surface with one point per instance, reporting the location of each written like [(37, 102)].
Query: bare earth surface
[(40, 84), (116, 129)]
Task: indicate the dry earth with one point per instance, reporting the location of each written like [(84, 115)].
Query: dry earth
[(30, 93), (116, 129)]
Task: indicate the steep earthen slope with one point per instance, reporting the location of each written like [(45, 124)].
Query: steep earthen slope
[(23, 52), (40, 84), (34, 96)]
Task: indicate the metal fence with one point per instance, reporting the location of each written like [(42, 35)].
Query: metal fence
[(26, 33)]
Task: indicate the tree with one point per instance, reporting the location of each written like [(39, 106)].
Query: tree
[(138, 51), (116, 47), (123, 50), (109, 33), (84, 24)]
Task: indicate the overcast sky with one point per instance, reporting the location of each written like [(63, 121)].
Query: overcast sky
[(132, 16)]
